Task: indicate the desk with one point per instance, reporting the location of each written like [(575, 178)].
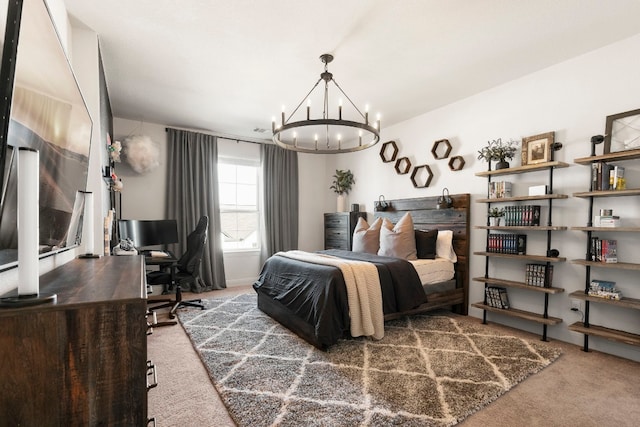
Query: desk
[(163, 263)]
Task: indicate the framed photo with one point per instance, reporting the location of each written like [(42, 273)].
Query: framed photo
[(622, 132), (537, 149)]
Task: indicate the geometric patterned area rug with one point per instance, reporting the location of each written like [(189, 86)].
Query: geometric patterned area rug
[(428, 370)]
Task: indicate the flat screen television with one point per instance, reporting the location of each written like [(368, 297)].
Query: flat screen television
[(146, 233), (46, 112)]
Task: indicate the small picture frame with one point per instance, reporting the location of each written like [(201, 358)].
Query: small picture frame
[(622, 132), (537, 148)]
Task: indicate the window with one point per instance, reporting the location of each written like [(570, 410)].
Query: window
[(239, 208)]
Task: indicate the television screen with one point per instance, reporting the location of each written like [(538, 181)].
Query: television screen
[(49, 114), (145, 233)]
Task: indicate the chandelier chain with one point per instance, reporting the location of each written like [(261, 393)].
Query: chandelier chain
[(348, 99), (301, 102)]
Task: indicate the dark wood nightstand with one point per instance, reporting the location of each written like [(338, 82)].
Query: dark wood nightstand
[(338, 229)]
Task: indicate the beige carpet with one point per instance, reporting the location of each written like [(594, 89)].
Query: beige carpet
[(587, 389), (429, 370)]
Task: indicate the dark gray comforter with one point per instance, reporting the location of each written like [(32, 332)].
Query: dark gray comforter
[(316, 294)]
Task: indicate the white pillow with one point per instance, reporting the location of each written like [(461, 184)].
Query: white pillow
[(366, 238), (444, 246), (398, 241)]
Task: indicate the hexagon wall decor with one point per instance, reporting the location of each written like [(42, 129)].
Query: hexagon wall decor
[(456, 163), (403, 164), (441, 149), (388, 152), (425, 176)]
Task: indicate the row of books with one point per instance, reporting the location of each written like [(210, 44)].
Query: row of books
[(538, 275), (607, 177), (525, 215), (604, 289), (499, 189), (497, 297), (604, 250), (507, 243)]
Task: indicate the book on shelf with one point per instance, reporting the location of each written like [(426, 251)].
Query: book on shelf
[(522, 215), (609, 251), (521, 244), (604, 289), (496, 296), (507, 243), (604, 250), (616, 178), (540, 275), (600, 176), (606, 221), (499, 189), (607, 177)]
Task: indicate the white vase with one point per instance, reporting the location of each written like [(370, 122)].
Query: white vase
[(494, 220), (342, 203)]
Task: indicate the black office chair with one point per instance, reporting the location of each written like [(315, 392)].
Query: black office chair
[(185, 271)]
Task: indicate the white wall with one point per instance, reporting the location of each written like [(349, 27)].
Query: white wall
[(573, 99), (143, 196), (81, 48)]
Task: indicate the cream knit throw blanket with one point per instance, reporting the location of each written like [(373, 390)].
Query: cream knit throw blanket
[(363, 291)]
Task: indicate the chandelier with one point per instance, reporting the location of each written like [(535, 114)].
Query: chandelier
[(351, 131)]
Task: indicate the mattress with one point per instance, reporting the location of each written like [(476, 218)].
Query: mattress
[(432, 271)]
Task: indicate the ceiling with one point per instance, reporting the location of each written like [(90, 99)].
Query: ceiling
[(228, 66)]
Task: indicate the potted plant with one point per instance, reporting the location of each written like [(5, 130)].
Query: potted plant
[(499, 151), (494, 216), (342, 183)]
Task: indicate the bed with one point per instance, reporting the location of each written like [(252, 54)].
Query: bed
[(310, 299)]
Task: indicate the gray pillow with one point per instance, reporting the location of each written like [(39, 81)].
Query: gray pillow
[(366, 238), (398, 241)]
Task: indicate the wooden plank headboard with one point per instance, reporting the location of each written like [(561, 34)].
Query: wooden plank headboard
[(426, 216)]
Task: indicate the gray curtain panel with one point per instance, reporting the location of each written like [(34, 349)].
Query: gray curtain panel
[(192, 191), (280, 183)]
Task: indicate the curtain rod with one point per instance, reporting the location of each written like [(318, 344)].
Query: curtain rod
[(226, 136)]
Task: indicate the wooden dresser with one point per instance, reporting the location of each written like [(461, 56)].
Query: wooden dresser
[(81, 361), (338, 229)]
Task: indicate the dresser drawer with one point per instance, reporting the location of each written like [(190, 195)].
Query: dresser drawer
[(336, 244), (337, 233), (336, 220)]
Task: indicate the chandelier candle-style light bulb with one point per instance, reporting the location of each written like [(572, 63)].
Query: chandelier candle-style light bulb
[(366, 114), (300, 132), (273, 124), (378, 122)]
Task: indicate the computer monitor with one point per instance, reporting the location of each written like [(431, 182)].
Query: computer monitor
[(146, 233)]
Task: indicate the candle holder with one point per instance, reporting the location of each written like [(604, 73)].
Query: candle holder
[(87, 233), (28, 234)]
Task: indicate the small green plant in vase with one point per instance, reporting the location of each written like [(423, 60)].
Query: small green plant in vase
[(494, 216), (342, 183), (499, 151)]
